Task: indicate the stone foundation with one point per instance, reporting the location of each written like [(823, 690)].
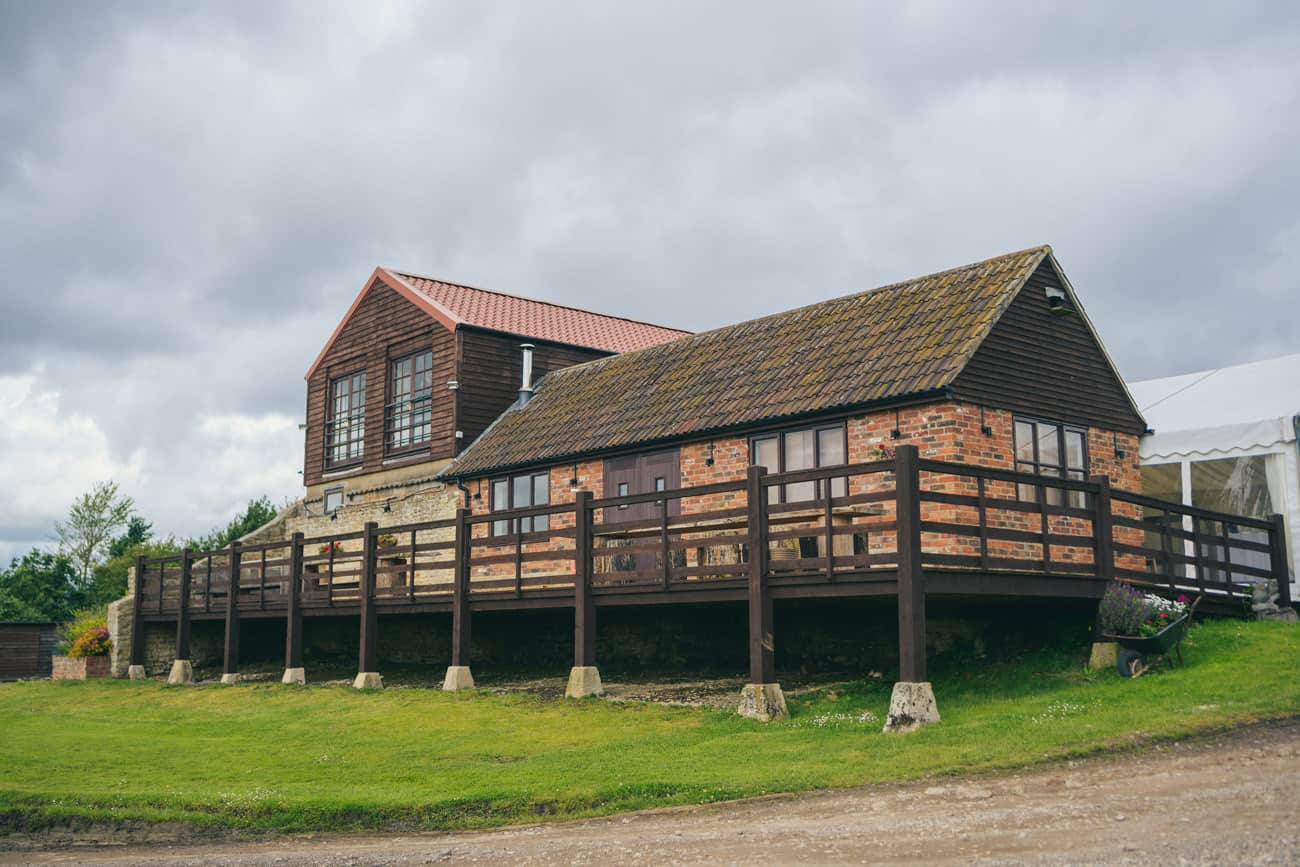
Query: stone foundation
[(458, 678), (136, 672), (230, 678), (910, 707), (296, 676), (762, 701), (368, 680), (1105, 654), (182, 672), (584, 680)]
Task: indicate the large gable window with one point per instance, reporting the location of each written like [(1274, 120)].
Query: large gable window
[(408, 417), (1047, 449), (805, 449), (345, 426), (520, 492)]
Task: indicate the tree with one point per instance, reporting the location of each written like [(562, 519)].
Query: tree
[(138, 531), (40, 586), (93, 519), (258, 513)]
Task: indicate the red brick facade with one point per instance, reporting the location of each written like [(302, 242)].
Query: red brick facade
[(947, 431)]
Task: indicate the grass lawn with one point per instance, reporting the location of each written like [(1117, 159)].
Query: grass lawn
[(331, 758)]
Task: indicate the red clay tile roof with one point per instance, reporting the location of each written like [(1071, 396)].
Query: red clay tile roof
[(901, 340), (545, 320), (455, 304)]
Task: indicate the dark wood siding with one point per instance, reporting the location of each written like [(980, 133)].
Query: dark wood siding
[(490, 370), (1049, 366), (26, 648), (384, 326)]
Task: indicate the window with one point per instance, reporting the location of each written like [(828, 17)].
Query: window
[(408, 417), (345, 426), (622, 492), (806, 449), (333, 500), (520, 492), (1047, 449)]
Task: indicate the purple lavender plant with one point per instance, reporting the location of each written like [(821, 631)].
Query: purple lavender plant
[(1122, 611)]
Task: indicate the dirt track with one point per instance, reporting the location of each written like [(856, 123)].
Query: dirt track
[(1230, 799)]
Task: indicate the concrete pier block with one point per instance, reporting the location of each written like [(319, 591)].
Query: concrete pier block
[(911, 706), (136, 672), (762, 701), (182, 672), (295, 675), (230, 679), (368, 680), (458, 678), (584, 680), (1105, 654)]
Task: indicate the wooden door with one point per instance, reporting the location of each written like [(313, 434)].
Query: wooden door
[(639, 474)]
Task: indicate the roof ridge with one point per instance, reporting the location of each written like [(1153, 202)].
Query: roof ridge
[(1044, 249), (401, 272)]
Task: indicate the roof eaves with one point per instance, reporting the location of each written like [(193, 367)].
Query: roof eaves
[(453, 470)]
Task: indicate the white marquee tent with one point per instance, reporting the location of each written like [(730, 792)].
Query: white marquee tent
[(1226, 439)]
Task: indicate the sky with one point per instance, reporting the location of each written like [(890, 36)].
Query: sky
[(191, 194)]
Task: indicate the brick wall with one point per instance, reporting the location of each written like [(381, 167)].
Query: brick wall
[(948, 431)]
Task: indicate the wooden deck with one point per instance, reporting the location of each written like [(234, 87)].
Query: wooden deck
[(903, 526)]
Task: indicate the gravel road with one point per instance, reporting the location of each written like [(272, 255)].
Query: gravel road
[(1228, 799)]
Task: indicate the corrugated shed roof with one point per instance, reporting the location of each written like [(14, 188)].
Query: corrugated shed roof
[(545, 320), (905, 339)]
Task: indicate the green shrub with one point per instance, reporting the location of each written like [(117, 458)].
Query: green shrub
[(84, 631)]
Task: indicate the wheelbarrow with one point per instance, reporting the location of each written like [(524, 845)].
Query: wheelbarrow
[(1136, 649)]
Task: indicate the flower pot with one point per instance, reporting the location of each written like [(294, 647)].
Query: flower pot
[(80, 667)]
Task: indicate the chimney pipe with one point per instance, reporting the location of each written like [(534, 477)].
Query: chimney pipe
[(526, 384)]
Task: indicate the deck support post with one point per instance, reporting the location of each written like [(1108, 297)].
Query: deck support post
[(1104, 653), (761, 698), (182, 667), (1280, 561), (230, 665), (293, 670), (135, 671), (584, 677), (458, 674), (367, 675), (912, 704)]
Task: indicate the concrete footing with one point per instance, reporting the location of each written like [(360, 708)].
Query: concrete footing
[(1105, 654), (910, 707), (584, 680), (368, 680), (136, 672), (230, 678), (182, 672), (762, 701), (458, 678), (295, 675)]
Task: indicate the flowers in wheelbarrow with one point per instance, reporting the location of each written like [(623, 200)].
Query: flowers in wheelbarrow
[(1161, 612)]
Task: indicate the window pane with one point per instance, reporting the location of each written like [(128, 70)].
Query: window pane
[(622, 492), (1163, 481), (799, 455), (661, 484), (541, 497), (799, 450), (830, 447), (765, 454), (1074, 450), (1024, 441), (1049, 444), (500, 496)]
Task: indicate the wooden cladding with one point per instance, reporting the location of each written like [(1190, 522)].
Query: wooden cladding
[(384, 327), (1037, 363), (405, 359)]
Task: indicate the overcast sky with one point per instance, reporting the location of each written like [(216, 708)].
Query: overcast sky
[(191, 194)]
